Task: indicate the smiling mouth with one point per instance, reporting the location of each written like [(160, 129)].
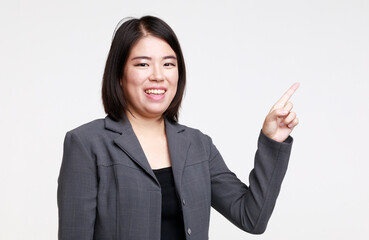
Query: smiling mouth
[(155, 91)]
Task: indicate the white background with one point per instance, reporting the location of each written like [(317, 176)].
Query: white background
[(241, 57)]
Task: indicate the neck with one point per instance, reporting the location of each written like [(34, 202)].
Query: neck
[(146, 126)]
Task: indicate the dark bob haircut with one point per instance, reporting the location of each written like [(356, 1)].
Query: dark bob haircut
[(125, 37)]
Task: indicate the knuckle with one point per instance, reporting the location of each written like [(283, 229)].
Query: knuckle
[(290, 104), (290, 118)]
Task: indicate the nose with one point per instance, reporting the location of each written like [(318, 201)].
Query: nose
[(157, 74)]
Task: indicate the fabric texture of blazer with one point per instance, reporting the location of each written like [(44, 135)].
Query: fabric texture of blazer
[(108, 191)]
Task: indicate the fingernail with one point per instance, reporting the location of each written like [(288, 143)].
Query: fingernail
[(282, 124), (290, 125)]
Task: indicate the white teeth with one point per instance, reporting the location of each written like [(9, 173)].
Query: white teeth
[(155, 91)]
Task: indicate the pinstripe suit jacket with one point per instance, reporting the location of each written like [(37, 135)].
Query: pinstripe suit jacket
[(107, 189)]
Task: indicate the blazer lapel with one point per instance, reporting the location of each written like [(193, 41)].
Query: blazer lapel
[(128, 143), (178, 146)]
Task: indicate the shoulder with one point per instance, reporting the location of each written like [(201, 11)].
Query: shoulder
[(192, 133), (87, 131), (200, 142), (198, 139), (89, 127)]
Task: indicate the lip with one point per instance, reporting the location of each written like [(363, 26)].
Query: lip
[(155, 97), (157, 88)]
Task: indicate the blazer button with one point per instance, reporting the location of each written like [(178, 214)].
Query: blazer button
[(184, 202), (189, 231)]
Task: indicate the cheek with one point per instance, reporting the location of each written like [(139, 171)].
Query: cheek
[(174, 79), (133, 78)]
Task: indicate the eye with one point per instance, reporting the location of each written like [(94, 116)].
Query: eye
[(169, 65), (141, 65)]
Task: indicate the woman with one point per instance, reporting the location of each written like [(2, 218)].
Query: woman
[(138, 174)]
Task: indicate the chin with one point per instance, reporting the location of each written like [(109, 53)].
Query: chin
[(154, 113)]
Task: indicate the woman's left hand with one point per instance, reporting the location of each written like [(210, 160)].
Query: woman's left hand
[(280, 121)]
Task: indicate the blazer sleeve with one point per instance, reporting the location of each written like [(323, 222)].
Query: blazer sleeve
[(250, 207), (77, 191)]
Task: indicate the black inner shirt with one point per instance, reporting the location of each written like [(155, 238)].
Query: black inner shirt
[(172, 226)]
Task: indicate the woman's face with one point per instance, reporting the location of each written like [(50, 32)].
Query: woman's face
[(150, 77)]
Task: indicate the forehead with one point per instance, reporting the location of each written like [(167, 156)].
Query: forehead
[(151, 46)]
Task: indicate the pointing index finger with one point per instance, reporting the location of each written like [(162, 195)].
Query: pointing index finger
[(287, 95)]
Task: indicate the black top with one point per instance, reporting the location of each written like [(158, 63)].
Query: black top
[(172, 226)]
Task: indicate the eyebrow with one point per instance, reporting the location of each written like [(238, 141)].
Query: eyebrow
[(149, 58), (170, 57)]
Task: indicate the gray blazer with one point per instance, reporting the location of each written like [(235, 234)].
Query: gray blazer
[(107, 189)]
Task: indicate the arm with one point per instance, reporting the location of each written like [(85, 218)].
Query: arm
[(77, 191), (250, 208)]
